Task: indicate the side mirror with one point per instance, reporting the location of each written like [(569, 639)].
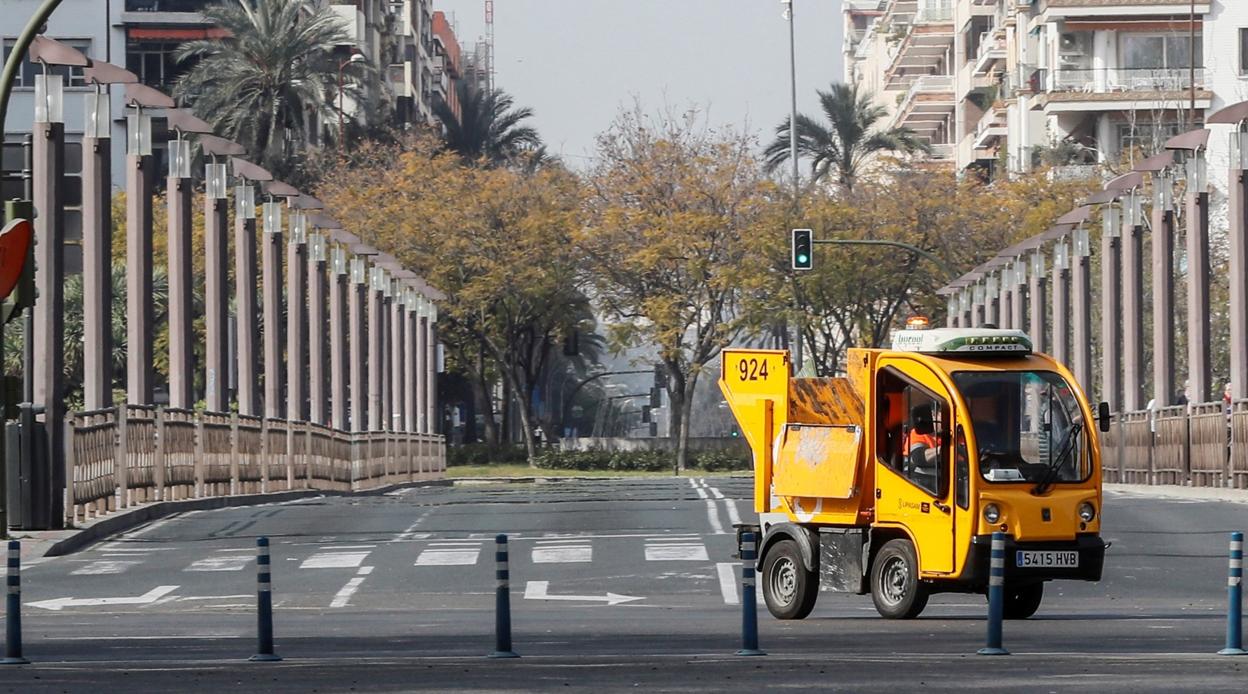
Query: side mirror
[(1102, 415)]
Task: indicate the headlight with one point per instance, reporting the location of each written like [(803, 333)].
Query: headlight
[(992, 514), (1087, 512)]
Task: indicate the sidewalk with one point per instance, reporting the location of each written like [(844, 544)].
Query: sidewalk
[(1167, 491)]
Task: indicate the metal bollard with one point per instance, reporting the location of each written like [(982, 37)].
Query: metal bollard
[(749, 601), (264, 605), (996, 597), (502, 602), (13, 609), (1235, 599)]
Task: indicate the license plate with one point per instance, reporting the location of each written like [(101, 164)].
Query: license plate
[(1046, 560)]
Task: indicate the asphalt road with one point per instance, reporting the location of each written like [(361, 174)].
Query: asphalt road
[(617, 584)]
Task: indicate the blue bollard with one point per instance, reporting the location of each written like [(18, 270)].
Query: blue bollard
[(749, 601), (996, 597), (264, 605), (1235, 599), (502, 602), (13, 609)]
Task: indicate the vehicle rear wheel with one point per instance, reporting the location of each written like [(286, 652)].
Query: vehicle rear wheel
[(788, 587), (1022, 601), (895, 586)]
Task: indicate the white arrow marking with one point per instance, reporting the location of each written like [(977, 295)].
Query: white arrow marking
[(536, 590), (61, 603)]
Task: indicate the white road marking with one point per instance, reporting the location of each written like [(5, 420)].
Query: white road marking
[(104, 566), (715, 492), (448, 557), (334, 560), (234, 563), (455, 543), (734, 518), (61, 603), (671, 552), (697, 487), (538, 590), (343, 596), (338, 547), (410, 532), (112, 548), (565, 554), (712, 516), (728, 582)]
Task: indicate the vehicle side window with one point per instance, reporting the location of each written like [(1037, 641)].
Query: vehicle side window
[(913, 426), (961, 471)]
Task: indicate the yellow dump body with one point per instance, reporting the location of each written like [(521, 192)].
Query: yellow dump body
[(806, 434)]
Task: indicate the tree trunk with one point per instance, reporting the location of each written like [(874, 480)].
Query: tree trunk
[(482, 403), (523, 403)]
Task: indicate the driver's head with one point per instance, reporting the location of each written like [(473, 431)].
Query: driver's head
[(921, 419)]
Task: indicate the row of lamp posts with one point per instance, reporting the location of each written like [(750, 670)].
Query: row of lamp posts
[(386, 384), (993, 292)]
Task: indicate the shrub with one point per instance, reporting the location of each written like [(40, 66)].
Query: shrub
[(720, 461), (484, 454)]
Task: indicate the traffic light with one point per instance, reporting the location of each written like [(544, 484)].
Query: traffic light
[(803, 249)]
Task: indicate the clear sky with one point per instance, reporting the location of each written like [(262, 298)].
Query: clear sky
[(576, 62)]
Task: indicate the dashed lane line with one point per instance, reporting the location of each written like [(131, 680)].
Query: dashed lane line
[(343, 597), (728, 582)]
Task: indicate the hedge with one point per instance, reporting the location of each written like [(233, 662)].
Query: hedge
[(643, 461)]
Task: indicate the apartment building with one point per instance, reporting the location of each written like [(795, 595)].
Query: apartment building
[(447, 64), (902, 51), (1007, 85)]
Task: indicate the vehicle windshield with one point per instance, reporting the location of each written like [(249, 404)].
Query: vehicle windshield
[(1028, 426)]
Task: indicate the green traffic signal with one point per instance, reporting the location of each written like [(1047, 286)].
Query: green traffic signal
[(803, 247)]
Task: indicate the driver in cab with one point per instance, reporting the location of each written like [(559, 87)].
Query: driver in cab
[(922, 444)]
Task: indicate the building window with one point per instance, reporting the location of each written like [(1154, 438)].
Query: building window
[(73, 75), (154, 63), (1146, 138), (1243, 51), (1159, 51)]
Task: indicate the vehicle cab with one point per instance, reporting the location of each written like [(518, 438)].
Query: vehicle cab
[(1012, 448)]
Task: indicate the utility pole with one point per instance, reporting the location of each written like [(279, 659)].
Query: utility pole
[(799, 352)]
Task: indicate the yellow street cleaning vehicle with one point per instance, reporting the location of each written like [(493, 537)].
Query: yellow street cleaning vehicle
[(893, 479)]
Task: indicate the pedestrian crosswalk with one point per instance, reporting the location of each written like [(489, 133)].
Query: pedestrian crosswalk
[(451, 553), (424, 552)]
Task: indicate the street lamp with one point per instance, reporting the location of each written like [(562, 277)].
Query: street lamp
[(356, 57)]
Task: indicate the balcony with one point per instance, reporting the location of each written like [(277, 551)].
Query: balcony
[(1082, 89), (992, 127), (926, 46), (927, 107), (941, 152), (1060, 9), (991, 52), (166, 5)]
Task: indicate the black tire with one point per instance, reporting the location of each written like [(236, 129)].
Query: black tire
[(789, 588), (1022, 601), (895, 586)]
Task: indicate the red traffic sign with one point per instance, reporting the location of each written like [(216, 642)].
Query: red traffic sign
[(14, 246)]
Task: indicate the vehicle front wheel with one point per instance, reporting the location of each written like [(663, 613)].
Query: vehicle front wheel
[(788, 587), (895, 586), (1022, 601)]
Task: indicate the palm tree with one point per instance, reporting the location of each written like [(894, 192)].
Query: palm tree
[(271, 79), (845, 141), (488, 128)]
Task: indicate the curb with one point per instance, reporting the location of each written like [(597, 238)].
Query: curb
[(127, 520)]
